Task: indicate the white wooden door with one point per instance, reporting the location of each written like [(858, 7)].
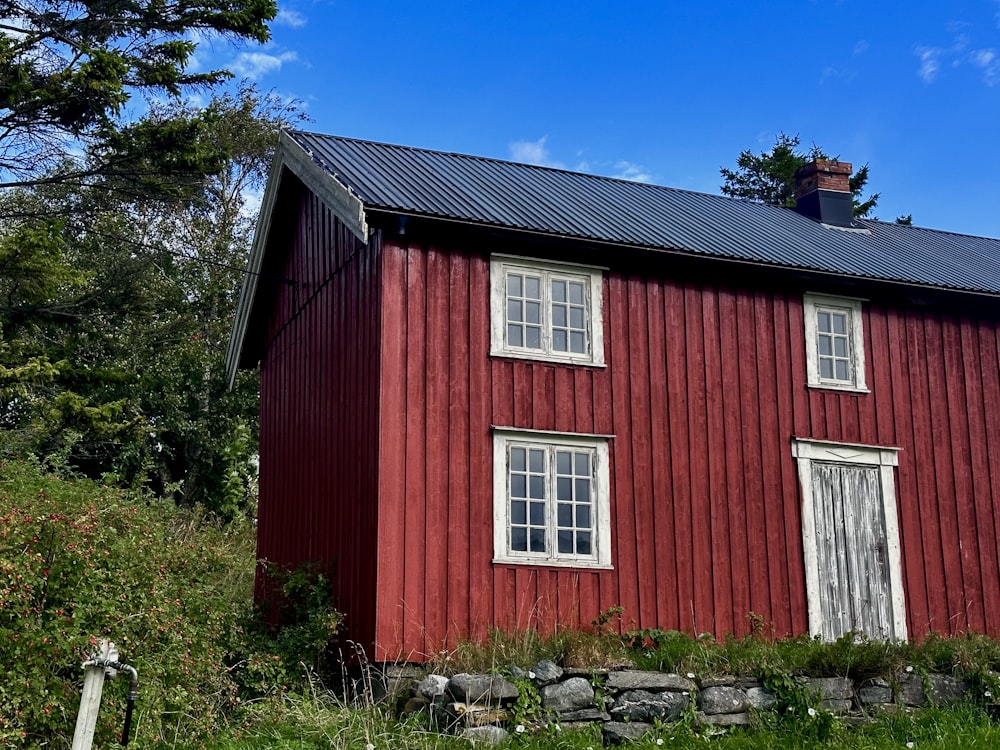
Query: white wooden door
[(852, 551)]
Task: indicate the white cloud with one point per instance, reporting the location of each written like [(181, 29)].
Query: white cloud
[(930, 63), (290, 18), (861, 46), (533, 152), (626, 170), (255, 65), (989, 63)]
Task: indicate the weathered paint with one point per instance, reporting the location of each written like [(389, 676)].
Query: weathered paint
[(703, 391), (318, 411)]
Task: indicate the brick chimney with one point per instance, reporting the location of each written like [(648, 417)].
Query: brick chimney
[(823, 192)]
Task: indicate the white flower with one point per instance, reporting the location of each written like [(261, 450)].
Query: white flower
[(690, 675), (519, 729), (685, 692), (911, 745), (988, 694), (909, 669), (557, 728), (659, 741), (531, 675), (790, 709), (370, 746), (811, 711)]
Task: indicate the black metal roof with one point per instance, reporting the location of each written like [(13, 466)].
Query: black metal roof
[(499, 193)]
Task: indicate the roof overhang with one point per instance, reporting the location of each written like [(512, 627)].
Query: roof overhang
[(290, 160)]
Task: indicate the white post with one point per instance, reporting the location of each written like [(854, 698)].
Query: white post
[(90, 699)]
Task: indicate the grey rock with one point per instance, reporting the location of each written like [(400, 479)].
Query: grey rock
[(874, 692), (722, 700), (488, 735), (630, 679), (644, 706), (518, 674), (481, 688), (944, 690), (583, 715), (830, 688), (724, 681), (725, 720), (569, 695), (760, 698), (431, 686), (835, 705), (911, 691), (547, 672), (617, 732)]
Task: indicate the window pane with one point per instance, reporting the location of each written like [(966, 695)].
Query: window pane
[(559, 341), (582, 491), (514, 310), (839, 323), (562, 462), (826, 368), (536, 459), (583, 516), (537, 540), (565, 542), (519, 539), (576, 293), (537, 488), (842, 373), (565, 515), (576, 317), (840, 347), (518, 512), (513, 285), (823, 321), (564, 488), (514, 335), (577, 343), (582, 464), (537, 511), (558, 291), (532, 287), (517, 459), (824, 346), (583, 543), (518, 485), (534, 338), (559, 316), (532, 312)]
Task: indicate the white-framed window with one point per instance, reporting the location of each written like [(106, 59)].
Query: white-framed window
[(850, 539), (835, 343), (547, 311), (551, 498)]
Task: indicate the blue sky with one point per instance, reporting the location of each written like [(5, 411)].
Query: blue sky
[(665, 92)]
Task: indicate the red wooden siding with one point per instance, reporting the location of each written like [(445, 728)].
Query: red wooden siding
[(318, 413), (703, 390)]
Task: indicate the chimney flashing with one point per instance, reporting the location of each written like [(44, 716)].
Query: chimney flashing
[(823, 192)]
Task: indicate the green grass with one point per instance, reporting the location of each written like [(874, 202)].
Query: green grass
[(304, 724)]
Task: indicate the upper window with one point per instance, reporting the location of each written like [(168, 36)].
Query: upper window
[(551, 499), (835, 346), (546, 311)]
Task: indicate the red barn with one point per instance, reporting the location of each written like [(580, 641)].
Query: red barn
[(500, 395)]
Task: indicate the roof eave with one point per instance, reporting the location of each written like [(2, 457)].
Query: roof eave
[(337, 196)]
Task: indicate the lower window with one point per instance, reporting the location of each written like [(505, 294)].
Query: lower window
[(551, 498)]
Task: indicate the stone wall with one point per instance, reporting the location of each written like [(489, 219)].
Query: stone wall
[(626, 703)]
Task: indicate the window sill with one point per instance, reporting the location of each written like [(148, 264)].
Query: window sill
[(835, 387), (547, 359), (574, 564)]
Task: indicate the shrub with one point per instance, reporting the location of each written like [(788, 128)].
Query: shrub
[(79, 562)]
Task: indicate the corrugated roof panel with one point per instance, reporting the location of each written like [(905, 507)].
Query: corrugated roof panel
[(538, 199)]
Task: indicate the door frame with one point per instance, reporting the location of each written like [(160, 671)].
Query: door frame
[(805, 451)]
